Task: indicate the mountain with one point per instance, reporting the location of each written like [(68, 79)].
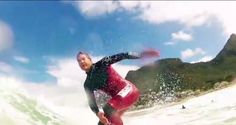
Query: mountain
[(173, 75), (229, 48)]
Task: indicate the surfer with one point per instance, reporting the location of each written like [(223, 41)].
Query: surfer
[(101, 76)]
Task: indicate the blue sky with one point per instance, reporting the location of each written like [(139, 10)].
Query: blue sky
[(35, 34)]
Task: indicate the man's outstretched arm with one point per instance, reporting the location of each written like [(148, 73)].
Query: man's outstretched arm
[(118, 57), (128, 55)]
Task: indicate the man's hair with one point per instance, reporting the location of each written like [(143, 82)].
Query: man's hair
[(86, 54)]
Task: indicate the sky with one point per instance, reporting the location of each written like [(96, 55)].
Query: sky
[(39, 40)]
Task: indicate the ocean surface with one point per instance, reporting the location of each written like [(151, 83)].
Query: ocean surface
[(49, 105)]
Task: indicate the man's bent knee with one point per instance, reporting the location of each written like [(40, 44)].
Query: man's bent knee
[(108, 110)]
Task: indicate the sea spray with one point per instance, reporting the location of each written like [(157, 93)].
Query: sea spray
[(169, 85)]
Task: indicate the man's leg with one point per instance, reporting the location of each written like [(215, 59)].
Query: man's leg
[(99, 123), (112, 115), (118, 104)]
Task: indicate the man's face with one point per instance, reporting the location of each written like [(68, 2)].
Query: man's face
[(84, 62)]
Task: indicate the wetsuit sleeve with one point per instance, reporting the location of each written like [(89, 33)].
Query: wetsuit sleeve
[(118, 57), (91, 100)]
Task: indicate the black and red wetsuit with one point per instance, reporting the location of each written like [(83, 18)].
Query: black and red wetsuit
[(103, 77)]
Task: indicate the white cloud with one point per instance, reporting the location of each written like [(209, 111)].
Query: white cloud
[(67, 72), (188, 53), (192, 13), (14, 70), (95, 8), (129, 5), (21, 59), (189, 13), (203, 59), (99, 8), (5, 68), (183, 12), (181, 36), (170, 43), (123, 69), (6, 36)]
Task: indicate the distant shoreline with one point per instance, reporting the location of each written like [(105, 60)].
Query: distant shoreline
[(190, 94), (143, 111), (230, 84)]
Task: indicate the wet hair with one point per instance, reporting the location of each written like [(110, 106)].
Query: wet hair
[(84, 53)]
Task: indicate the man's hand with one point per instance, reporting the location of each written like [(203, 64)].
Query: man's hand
[(150, 53), (102, 118)]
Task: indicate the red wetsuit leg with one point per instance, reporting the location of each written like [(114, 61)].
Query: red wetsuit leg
[(121, 102)]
